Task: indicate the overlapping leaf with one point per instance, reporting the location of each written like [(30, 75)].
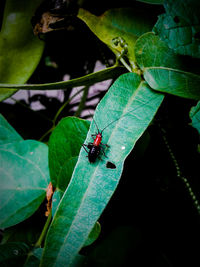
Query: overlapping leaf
[(92, 185), (125, 23), (162, 69), (7, 132), (20, 50), (180, 26), (64, 147), (24, 177), (195, 116)]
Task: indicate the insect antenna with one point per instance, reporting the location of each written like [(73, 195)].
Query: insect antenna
[(128, 113), (96, 126), (110, 124), (94, 121)]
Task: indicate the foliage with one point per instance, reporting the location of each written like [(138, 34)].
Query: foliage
[(154, 66), (20, 49)]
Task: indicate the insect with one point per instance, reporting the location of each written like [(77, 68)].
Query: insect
[(97, 146), (94, 149)]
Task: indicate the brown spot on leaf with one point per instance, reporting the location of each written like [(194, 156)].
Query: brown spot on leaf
[(49, 195)]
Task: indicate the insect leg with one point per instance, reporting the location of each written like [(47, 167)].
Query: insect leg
[(85, 146), (93, 136), (104, 153), (105, 145)]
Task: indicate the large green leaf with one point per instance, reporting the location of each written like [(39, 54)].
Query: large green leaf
[(180, 26), (20, 50), (125, 23), (150, 51), (162, 68), (132, 102), (7, 132), (180, 83), (24, 178), (195, 116), (64, 147)]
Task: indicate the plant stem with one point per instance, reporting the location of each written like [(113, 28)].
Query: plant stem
[(125, 65), (58, 113), (30, 109), (45, 134), (82, 103), (40, 239), (64, 105), (44, 231)]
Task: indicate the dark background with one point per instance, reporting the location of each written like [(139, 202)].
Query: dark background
[(151, 219)]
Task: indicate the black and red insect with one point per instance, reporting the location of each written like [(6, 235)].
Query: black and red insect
[(95, 148)]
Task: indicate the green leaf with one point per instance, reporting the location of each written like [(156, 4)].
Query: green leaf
[(175, 82), (195, 116), (126, 23), (102, 75), (150, 51), (7, 132), (64, 147), (57, 195), (11, 252), (23, 182), (180, 26), (93, 234), (133, 105), (95, 230), (20, 50), (160, 68)]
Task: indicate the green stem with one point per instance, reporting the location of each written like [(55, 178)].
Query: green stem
[(89, 79), (125, 64), (57, 114), (64, 105), (38, 244), (45, 134), (27, 107), (82, 103)]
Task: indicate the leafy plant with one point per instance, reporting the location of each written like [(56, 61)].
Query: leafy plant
[(150, 72)]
